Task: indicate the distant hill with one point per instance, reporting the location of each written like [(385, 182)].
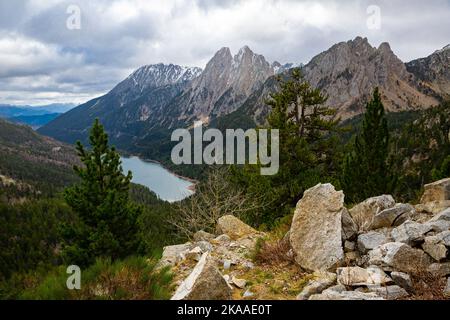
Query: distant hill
[(11, 111), (36, 121), (31, 162)]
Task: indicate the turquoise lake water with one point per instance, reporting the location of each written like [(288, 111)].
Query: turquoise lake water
[(161, 181)]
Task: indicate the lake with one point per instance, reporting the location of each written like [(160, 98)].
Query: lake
[(161, 181)]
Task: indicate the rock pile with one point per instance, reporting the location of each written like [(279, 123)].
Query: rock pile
[(370, 252), (393, 241)]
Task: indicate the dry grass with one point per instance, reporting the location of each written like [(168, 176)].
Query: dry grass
[(276, 252), (427, 286)]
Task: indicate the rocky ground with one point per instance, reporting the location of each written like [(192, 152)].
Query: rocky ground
[(377, 250)]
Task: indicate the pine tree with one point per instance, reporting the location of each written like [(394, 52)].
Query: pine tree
[(108, 219), (366, 170), (307, 140)]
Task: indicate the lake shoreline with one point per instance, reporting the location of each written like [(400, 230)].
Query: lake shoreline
[(193, 182)]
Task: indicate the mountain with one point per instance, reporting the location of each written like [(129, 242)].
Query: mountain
[(433, 72), (31, 161), (349, 71), (130, 109), (141, 112), (158, 97), (224, 84)]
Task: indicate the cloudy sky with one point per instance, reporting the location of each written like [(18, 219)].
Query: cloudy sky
[(46, 56)]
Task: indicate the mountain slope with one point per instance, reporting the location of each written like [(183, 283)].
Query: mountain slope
[(29, 159), (128, 109), (433, 72)]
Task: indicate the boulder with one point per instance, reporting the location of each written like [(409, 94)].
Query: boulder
[(392, 217), (435, 246), (403, 280), (364, 212), (397, 256), (223, 239), (204, 245), (410, 232), (174, 254), (204, 283), (240, 283), (389, 292), (233, 227), (336, 288), (203, 236), (194, 254), (316, 232), (443, 215), (370, 240), (436, 191), (440, 269), (345, 295), (357, 276), (438, 225), (433, 207), (321, 281)]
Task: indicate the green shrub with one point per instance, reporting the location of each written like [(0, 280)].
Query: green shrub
[(134, 278)]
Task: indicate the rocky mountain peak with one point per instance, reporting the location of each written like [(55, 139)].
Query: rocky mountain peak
[(349, 71), (226, 81), (153, 76)]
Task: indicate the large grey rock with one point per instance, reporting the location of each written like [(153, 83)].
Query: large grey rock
[(443, 215), (370, 240), (203, 236), (316, 231), (233, 227), (321, 281), (433, 207), (397, 256), (204, 283), (389, 292), (345, 295), (357, 276), (435, 246), (403, 280), (436, 191), (204, 245), (364, 212), (410, 232), (438, 225), (392, 217), (174, 254), (337, 288)]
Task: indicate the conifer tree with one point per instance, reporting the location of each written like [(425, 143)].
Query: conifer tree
[(108, 219), (366, 169), (307, 142)]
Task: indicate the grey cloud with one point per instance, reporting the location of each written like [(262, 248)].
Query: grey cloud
[(117, 37)]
